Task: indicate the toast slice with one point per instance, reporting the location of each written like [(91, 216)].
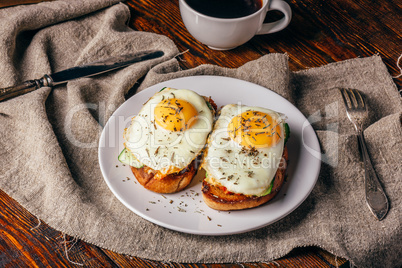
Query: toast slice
[(171, 183), (174, 182), (218, 198)]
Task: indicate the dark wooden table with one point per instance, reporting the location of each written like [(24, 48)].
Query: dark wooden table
[(321, 32)]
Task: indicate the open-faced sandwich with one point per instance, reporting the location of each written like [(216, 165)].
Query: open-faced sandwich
[(245, 159), (164, 142)]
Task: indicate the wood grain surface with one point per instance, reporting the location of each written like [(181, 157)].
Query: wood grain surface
[(320, 32)]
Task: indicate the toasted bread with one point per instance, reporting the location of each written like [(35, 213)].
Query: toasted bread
[(217, 198), (171, 183)]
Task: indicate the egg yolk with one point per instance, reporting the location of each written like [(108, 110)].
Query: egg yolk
[(254, 129), (175, 114)]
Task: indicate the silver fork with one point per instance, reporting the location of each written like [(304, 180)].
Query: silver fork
[(356, 110)]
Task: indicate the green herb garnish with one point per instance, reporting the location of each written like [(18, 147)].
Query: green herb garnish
[(209, 105)]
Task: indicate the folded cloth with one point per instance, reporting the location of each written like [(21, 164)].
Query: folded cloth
[(53, 170)]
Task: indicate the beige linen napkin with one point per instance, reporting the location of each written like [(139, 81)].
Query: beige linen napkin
[(53, 170)]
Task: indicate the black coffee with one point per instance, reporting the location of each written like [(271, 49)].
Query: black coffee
[(225, 8)]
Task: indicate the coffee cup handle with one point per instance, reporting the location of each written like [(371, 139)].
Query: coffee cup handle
[(276, 26)]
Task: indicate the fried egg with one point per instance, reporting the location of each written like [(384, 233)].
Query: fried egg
[(245, 148), (170, 130)]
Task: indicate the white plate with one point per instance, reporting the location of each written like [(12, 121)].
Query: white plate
[(185, 211)]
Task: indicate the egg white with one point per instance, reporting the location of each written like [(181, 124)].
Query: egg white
[(238, 169), (163, 150)]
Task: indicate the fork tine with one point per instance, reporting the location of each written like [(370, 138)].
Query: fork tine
[(344, 94), (353, 101), (360, 100)]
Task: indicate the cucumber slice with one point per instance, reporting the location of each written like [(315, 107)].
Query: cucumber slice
[(209, 105), (127, 158)]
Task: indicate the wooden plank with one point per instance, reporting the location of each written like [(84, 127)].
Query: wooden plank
[(314, 38), (26, 242)]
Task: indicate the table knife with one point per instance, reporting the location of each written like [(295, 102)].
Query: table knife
[(87, 70)]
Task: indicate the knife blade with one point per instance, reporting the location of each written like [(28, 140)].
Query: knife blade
[(87, 70)]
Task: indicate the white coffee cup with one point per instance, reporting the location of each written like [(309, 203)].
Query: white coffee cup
[(225, 34)]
